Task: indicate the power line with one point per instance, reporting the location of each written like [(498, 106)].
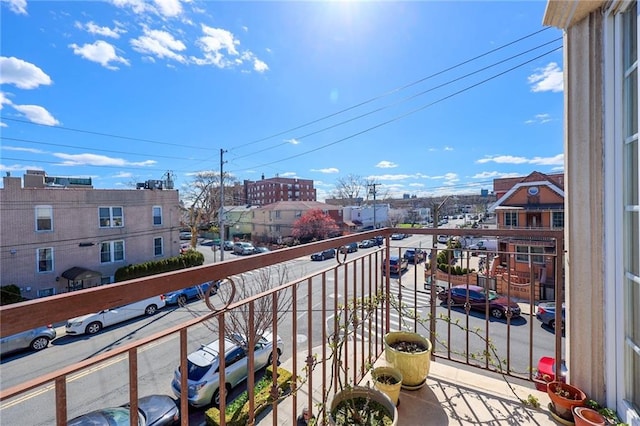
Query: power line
[(399, 117), (390, 92), (404, 100)]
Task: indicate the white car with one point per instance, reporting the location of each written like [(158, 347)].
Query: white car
[(93, 323)]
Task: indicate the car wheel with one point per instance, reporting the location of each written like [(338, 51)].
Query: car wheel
[(270, 362), (39, 343), (215, 399), (451, 302), (497, 313), (93, 328), (182, 299), (151, 309)]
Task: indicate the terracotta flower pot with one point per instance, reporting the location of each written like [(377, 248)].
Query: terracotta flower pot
[(584, 416), (564, 397)]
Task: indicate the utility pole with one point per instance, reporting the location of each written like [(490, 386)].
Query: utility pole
[(373, 192), (221, 214)]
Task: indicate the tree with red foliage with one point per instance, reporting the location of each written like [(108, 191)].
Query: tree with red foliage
[(314, 224)]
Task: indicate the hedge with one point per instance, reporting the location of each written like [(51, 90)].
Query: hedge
[(186, 260), (240, 417)]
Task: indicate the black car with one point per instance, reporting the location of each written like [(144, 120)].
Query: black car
[(349, 248), (325, 254), (367, 244), (153, 410), (414, 255)]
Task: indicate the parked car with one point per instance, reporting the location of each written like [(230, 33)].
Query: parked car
[(185, 247), (180, 297), (202, 367), (185, 235), (243, 248), (546, 372), (323, 255), (397, 264), (443, 239), (414, 255), (478, 298), (483, 245), (153, 410), (367, 244), (546, 313), (397, 236), (349, 248), (93, 323), (227, 245), (258, 250), (35, 339)]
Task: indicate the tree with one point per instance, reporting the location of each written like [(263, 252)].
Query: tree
[(413, 216), (395, 217), (350, 187), (201, 200), (314, 224)]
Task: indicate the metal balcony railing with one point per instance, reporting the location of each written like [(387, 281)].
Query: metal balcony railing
[(306, 305)]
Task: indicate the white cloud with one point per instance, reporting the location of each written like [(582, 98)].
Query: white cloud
[(123, 175), (137, 6), (219, 47), (556, 160), (93, 28), (547, 79), (417, 185), (260, 66), (22, 74), (326, 170), (397, 177), (98, 160), (160, 44), (17, 6), (288, 174), (494, 175), (292, 141), (4, 100), (3, 124), (100, 52), (386, 165), (18, 167), (540, 119), (448, 148), (37, 114), (169, 8), (21, 149)]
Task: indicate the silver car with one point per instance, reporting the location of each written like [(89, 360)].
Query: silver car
[(35, 339), (202, 374)]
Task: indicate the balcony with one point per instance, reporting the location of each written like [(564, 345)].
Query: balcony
[(304, 308)]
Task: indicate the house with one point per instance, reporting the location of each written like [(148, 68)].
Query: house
[(602, 180), (274, 222), (61, 234), (237, 220), (363, 216)]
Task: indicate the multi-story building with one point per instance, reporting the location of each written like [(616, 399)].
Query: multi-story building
[(274, 222), (61, 234), (272, 190), (602, 220), (363, 216)]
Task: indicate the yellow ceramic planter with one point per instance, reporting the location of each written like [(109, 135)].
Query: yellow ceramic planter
[(414, 366)]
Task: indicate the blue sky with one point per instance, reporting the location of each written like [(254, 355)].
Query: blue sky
[(426, 98)]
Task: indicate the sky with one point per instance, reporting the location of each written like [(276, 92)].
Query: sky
[(425, 98)]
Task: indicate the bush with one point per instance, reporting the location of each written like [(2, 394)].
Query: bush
[(186, 260), (237, 411), (10, 294)]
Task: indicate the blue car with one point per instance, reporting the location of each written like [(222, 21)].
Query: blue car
[(180, 297), (546, 313)]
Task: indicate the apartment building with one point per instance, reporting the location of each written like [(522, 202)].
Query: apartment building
[(602, 220), (272, 190), (274, 222), (61, 234)]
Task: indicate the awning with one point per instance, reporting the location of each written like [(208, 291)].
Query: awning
[(78, 273)]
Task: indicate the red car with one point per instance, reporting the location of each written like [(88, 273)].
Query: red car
[(478, 298)]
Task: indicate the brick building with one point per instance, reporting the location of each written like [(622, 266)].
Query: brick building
[(272, 190)]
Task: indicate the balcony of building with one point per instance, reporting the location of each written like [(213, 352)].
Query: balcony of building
[(303, 305)]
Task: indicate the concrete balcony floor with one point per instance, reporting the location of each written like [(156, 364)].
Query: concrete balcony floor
[(452, 396)]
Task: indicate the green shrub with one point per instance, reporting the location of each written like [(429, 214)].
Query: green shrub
[(186, 260), (237, 411), (10, 294)]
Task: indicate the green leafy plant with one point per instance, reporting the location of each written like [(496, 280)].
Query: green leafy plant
[(610, 415)]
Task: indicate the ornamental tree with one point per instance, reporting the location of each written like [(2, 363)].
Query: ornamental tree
[(314, 224)]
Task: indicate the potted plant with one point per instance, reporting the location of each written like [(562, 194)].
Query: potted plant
[(564, 397), (389, 381), (609, 415), (411, 354)]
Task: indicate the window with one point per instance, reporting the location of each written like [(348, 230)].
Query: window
[(44, 218), (557, 219), (110, 217), (510, 219), (46, 292), (298, 213), (157, 246), (45, 259), (157, 215), (111, 251), (277, 214), (522, 254)]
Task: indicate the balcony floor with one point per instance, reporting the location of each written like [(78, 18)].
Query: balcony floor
[(453, 396)]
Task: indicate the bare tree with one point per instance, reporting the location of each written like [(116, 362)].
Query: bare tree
[(395, 217), (350, 186)]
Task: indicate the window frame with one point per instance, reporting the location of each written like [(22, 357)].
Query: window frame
[(155, 246), (37, 220), (113, 218), (39, 260), (556, 219), (154, 216), (112, 251), (510, 219)]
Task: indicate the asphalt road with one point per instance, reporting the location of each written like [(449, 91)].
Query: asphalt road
[(106, 384)]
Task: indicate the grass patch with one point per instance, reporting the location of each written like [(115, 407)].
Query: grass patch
[(237, 411)]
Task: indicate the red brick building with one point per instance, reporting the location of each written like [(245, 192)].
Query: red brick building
[(272, 190)]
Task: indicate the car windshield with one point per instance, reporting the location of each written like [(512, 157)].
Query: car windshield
[(491, 295), (196, 372)]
